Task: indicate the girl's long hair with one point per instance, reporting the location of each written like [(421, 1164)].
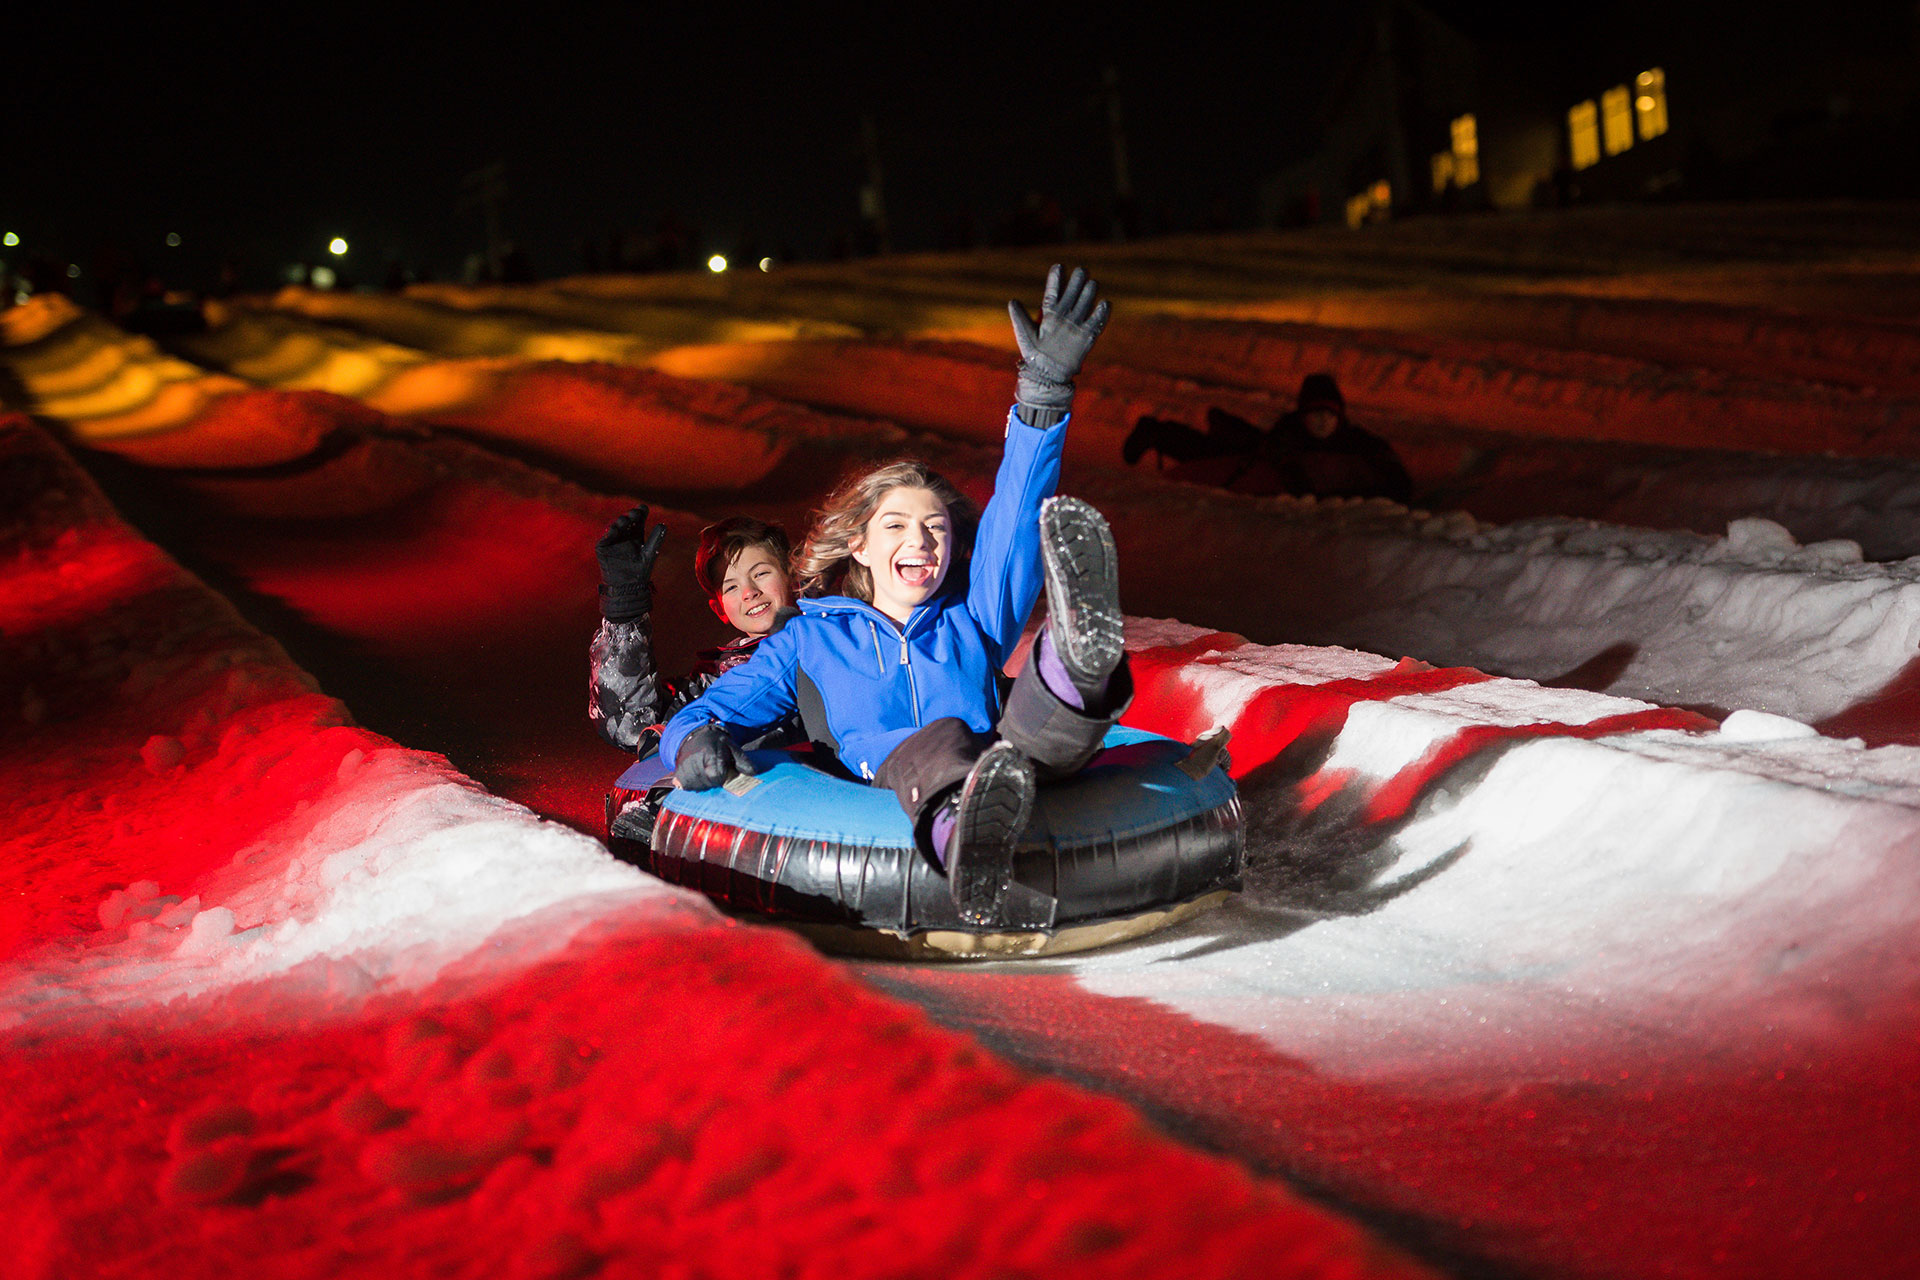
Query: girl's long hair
[(825, 565)]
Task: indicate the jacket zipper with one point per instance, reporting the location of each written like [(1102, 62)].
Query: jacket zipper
[(913, 684)]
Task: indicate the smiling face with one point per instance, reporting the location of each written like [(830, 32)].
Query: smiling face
[(753, 589), (906, 546)]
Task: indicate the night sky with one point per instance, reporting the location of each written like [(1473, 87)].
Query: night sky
[(261, 138), (257, 134)]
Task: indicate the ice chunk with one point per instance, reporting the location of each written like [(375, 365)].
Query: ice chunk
[(162, 753), (1763, 726), (209, 931), (1753, 538)]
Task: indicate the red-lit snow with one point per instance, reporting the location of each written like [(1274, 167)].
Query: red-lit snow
[(285, 997), (1605, 975)]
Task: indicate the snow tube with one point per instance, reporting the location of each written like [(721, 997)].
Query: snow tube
[(1131, 844)]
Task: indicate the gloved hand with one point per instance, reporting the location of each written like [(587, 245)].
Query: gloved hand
[(1051, 355), (626, 551), (708, 757)]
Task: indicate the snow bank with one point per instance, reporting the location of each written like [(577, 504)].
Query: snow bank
[(1556, 858), (292, 354), (221, 823), (1749, 620), (75, 367)]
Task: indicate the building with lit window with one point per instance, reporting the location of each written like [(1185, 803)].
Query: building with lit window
[(1456, 106)]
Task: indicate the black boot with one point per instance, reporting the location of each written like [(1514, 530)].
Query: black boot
[(1144, 436), (1083, 593), (988, 814)]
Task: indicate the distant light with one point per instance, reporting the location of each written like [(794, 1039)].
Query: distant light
[(766, 264), (323, 277), (1616, 120), (337, 247), (10, 239), (716, 264), (73, 271), (173, 239), (1583, 134)]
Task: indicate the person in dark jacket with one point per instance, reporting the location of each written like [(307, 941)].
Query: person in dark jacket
[(897, 664), (1317, 451), (742, 566), (1312, 451)]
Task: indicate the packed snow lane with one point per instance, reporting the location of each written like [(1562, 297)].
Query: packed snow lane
[(268, 973), (113, 390), (1487, 925)]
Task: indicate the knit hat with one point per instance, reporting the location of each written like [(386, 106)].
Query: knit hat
[(1320, 391)]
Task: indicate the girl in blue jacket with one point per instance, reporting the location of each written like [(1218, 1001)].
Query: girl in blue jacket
[(912, 610)]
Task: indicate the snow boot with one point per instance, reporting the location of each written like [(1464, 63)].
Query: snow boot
[(1083, 593), (989, 813)]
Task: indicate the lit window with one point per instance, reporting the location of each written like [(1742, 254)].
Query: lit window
[(1583, 135), (1616, 119), (1370, 205), (1650, 103), (1466, 151), (1442, 170)]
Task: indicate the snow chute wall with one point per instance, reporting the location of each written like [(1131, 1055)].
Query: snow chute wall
[(1131, 844)]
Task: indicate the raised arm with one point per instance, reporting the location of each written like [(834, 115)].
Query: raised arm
[(623, 689), (1005, 575)]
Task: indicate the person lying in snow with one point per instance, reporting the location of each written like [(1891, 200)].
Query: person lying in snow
[(1312, 451), (742, 566), (911, 606)]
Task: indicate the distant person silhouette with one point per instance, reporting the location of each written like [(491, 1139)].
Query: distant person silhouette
[(1312, 451)]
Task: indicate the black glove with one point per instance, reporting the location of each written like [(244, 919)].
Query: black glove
[(626, 551), (1051, 355), (708, 757)]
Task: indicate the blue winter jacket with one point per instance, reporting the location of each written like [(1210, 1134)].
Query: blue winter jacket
[(879, 681)]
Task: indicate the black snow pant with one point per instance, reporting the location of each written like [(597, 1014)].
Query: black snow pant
[(1058, 738)]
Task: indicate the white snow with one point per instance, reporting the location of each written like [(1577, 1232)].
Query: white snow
[(401, 870), (1669, 879)]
